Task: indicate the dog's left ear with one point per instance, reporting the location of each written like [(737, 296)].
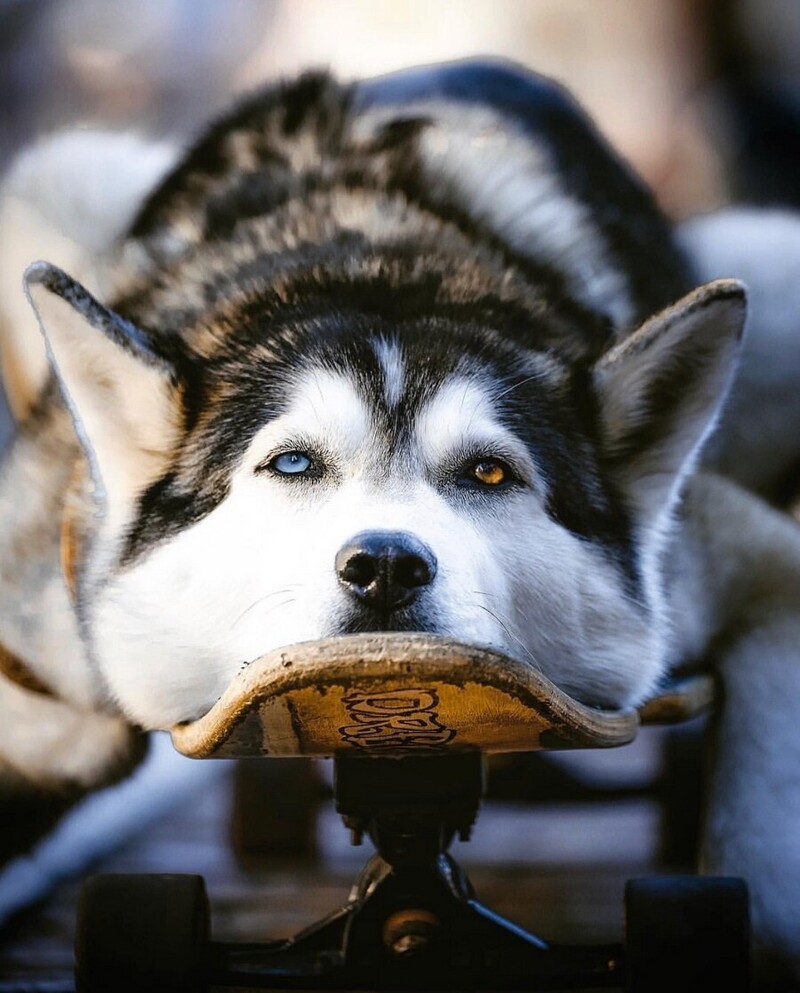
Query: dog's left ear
[(661, 390), (115, 384)]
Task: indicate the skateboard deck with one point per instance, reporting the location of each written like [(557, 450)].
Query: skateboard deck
[(402, 694)]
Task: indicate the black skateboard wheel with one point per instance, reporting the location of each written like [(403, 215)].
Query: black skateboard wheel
[(141, 932), (687, 933)]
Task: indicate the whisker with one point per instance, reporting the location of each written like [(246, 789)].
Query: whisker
[(474, 413), (516, 386), (261, 599), (278, 606), (510, 634)]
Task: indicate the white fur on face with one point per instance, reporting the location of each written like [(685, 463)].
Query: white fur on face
[(258, 571), (462, 416), (391, 361)]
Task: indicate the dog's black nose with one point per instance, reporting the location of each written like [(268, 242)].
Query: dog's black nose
[(385, 569)]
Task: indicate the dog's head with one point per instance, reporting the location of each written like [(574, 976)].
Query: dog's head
[(374, 469)]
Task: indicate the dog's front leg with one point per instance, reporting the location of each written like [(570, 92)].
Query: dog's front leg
[(753, 827), (752, 561)]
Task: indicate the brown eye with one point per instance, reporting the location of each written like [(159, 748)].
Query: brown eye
[(489, 473)]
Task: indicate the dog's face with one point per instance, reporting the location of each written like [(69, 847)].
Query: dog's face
[(360, 476), (377, 504)]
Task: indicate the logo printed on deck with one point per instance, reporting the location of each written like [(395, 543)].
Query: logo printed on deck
[(393, 720)]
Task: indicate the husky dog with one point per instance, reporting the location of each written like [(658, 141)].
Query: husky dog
[(415, 353)]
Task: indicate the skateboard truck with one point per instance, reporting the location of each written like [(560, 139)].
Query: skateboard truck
[(408, 720), (412, 920)]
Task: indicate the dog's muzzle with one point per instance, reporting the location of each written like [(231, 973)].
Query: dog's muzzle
[(385, 570)]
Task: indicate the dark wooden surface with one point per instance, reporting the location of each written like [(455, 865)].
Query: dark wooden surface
[(557, 868)]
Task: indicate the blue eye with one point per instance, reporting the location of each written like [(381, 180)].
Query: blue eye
[(291, 463)]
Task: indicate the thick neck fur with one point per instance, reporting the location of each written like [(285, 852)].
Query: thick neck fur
[(71, 741), (37, 620)]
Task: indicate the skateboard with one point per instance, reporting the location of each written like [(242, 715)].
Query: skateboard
[(409, 721)]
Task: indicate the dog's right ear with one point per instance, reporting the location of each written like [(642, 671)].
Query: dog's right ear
[(115, 384), (661, 389)]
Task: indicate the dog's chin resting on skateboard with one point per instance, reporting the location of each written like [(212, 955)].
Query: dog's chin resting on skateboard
[(414, 354)]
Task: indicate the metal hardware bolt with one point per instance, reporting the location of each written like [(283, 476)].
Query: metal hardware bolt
[(409, 932)]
